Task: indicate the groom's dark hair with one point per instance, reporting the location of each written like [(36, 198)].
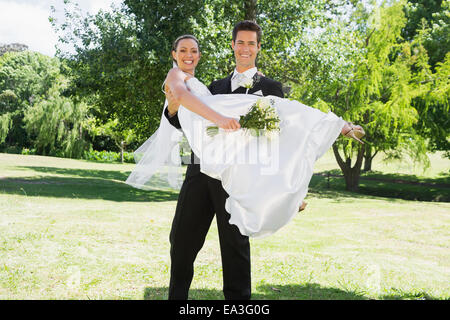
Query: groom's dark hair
[(247, 25)]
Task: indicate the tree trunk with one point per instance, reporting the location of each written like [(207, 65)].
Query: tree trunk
[(368, 160), (250, 10), (351, 174), (121, 150), (368, 157)]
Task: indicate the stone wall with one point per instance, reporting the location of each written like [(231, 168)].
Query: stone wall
[(14, 47)]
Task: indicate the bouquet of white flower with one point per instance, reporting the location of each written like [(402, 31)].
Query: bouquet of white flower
[(262, 118)]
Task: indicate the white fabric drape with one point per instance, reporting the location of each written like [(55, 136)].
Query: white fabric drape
[(266, 178), (158, 160)]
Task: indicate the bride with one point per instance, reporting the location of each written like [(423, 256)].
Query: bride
[(266, 177)]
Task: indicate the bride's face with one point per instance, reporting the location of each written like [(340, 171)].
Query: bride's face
[(187, 55)]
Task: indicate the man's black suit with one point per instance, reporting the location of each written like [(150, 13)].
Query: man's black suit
[(200, 197)]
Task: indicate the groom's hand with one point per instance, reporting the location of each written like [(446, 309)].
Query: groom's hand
[(173, 104)]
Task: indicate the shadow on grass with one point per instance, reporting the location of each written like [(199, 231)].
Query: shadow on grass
[(266, 292), (109, 185), (81, 184), (310, 291), (401, 295), (82, 173), (377, 184)]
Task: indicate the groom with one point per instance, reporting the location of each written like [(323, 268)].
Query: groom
[(202, 196)]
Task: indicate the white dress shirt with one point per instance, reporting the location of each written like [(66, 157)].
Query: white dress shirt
[(248, 73)]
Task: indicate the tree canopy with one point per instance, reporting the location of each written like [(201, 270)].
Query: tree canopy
[(429, 21), (24, 77), (122, 57), (384, 67)]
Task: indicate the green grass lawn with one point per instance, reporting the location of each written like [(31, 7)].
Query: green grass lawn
[(71, 229)]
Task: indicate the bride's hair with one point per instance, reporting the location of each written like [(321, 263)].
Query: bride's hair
[(177, 40)]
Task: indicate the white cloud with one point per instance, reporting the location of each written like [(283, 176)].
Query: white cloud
[(26, 21)]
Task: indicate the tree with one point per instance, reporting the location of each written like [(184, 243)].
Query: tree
[(250, 12), (429, 23), (374, 85), (8, 100), (121, 138), (433, 17), (57, 125), (24, 77), (433, 107), (122, 57), (355, 66)]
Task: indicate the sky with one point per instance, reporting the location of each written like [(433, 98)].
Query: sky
[(26, 21)]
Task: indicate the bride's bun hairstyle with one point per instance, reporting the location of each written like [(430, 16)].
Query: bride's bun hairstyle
[(247, 25), (177, 40)]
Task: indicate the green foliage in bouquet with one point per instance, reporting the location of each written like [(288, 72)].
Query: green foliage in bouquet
[(261, 118)]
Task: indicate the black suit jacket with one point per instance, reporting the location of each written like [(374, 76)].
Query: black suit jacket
[(223, 86)]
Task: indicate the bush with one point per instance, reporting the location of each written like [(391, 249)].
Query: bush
[(107, 156), (12, 149), (27, 151)]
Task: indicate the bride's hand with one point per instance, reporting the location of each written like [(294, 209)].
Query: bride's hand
[(227, 123)]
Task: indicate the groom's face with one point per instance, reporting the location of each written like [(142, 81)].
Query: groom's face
[(246, 48)]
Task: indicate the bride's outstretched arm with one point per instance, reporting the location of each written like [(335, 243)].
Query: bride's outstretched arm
[(175, 82)]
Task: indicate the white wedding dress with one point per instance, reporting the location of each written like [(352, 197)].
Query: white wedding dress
[(266, 178)]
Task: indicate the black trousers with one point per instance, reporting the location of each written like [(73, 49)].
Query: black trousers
[(200, 198)]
